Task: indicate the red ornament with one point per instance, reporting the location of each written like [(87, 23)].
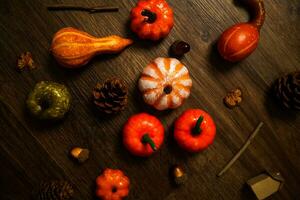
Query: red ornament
[(194, 130), (240, 40), (112, 185), (143, 134), (152, 19)]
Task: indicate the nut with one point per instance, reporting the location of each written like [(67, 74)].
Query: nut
[(233, 98), (80, 154), (179, 48)]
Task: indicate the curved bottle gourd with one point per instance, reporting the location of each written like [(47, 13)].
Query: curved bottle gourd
[(240, 40), (73, 48)]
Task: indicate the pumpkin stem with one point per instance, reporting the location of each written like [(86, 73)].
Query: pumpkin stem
[(114, 189), (150, 16), (168, 89), (146, 139), (197, 129)]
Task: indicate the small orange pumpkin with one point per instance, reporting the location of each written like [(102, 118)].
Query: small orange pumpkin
[(112, 184), (165, 83), (73, 48)]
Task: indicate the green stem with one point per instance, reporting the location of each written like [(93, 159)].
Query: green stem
[(197, 129), (146, 139)]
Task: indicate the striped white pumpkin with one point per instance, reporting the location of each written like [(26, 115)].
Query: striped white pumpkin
[(165, 83)]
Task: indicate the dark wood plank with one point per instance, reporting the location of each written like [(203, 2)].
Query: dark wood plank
[(31, 152)]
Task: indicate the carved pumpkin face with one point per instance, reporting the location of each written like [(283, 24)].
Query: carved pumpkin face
[(165, 83)]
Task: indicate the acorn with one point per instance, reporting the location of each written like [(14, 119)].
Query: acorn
[(179, 175), (80, 154)]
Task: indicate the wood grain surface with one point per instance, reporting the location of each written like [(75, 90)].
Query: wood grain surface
[(31, 152)]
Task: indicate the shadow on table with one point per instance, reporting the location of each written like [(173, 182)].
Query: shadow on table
[(246, 193), (39, 124), (216, 60), (61, 73), (124, 155)]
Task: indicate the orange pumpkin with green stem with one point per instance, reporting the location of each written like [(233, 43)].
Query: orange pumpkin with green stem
[(194, 130), (143, 134)]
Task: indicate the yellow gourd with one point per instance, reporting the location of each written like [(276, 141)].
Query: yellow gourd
[(73, 48)]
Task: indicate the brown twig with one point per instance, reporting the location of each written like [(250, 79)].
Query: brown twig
[(239, 153), (83, 8)]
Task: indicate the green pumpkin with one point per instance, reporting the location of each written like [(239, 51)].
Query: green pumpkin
[(49, 100)]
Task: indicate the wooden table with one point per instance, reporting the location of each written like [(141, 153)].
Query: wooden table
[(32, 152)]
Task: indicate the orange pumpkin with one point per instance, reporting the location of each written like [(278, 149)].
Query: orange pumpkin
[(112, 184), (165, 83)]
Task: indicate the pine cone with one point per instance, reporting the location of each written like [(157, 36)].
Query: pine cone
[(111, 96), (287, 90), (55, 190)]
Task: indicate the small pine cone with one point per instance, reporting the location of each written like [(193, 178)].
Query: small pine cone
[(111, 96), (287, 90), (55, 190)]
